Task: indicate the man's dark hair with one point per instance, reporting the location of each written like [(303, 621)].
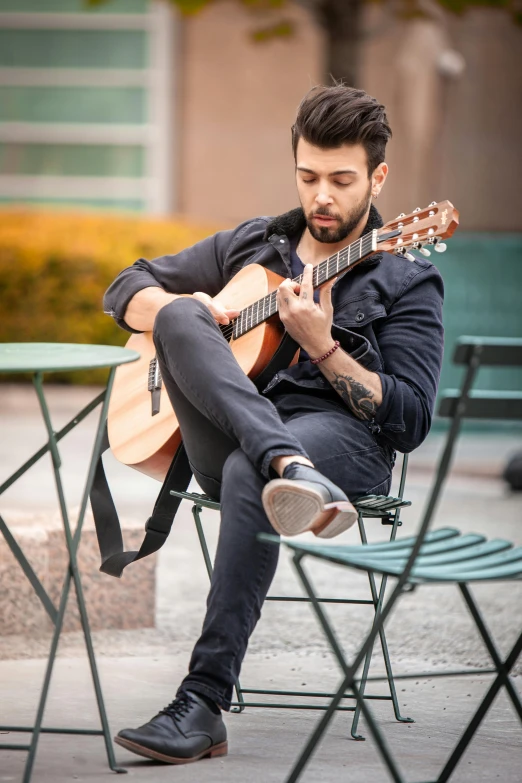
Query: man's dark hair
[(328, 117)]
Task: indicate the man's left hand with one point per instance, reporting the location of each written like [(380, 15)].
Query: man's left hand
[(308, 322)]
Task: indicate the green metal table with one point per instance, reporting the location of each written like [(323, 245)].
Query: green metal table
[(37, 359)]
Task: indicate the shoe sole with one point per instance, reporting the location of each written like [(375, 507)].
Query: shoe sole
[(148, 753), (293, 510)]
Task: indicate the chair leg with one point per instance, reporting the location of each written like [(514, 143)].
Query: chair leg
[(490, 644), (387, 662), (196, 513), (378, 736), (378, 599), (347, 683), (368, 658), (482, 709)]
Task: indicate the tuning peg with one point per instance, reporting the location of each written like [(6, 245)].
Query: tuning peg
[(409, 256), (417, 209), (433, 204), (440, 247), (425, 251)]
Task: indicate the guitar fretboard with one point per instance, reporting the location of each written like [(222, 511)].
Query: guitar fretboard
[(266, 307)]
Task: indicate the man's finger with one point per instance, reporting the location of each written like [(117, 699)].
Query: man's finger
[(286, 298), (325, 296), (221, 316), (288, 291), (307, 286)]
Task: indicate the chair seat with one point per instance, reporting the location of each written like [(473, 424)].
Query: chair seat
[(368, 505), (198, 499), (447, 555), (379, 505)]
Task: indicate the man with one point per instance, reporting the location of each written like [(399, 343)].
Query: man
[(328, 426)]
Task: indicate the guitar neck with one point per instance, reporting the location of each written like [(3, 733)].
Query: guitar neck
[(266, 307)]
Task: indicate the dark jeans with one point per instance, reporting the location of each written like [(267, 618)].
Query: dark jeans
[(231, 434)]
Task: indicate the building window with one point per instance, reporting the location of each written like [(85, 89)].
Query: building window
[(86, 104)]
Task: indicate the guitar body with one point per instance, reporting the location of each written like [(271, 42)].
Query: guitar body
[(148, 443)]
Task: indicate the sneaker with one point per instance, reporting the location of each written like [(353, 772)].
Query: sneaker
[(303, 499), (187, 730)]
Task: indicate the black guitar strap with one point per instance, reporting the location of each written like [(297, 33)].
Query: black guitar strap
[(281, 359), (158, 526)]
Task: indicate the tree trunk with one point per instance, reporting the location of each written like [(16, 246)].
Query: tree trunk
[(342, 22)]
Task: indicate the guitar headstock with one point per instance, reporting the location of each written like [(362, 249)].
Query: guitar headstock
[(422, 230)]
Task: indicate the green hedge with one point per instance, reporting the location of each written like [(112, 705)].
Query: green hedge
[(55, 267)]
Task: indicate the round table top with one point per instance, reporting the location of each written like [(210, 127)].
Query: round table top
[(54, 357)]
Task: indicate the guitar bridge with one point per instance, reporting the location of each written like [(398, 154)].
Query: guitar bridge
[(155, 383)]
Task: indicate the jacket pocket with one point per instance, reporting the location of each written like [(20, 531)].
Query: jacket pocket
[(359, 312)]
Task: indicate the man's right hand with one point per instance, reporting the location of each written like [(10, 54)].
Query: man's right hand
[(144, 306), (221, 314)]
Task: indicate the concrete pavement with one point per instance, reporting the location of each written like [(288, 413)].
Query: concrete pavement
[(263, 744), (141, 669)]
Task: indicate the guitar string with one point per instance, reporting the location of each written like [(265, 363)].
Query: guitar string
[(321, 274)]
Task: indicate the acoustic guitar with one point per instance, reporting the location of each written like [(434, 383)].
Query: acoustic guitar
[(143, 429)]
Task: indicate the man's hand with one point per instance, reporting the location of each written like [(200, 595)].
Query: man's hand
[(221, 314), (308, 322), (144, 306)]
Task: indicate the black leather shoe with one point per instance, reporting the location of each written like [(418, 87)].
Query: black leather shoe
[(304, 500), (187, 730)]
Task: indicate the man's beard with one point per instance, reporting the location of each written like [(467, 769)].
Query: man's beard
[(340, 231)]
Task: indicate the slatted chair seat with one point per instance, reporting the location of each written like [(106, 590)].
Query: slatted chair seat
[(368, 506), (452, 557), (371, 506)]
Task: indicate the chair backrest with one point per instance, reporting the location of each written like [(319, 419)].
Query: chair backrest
[(464, 403), (484, 352), (494, 351), (468, 403)]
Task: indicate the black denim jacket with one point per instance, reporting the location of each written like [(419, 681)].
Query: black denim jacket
[(387, 314)]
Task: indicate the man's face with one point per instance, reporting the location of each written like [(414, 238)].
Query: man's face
[(334, 188)]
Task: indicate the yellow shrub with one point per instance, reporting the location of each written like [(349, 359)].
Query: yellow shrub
[(55, 267)]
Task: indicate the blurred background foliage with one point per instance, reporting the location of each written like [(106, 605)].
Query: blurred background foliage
[(55, 268)]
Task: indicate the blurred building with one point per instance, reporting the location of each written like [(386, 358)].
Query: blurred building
[(127, 106), (86, 104)]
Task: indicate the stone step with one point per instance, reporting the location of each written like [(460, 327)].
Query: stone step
[(125, 603)]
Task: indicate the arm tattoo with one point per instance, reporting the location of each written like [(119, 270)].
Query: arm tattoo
[(358, 398)]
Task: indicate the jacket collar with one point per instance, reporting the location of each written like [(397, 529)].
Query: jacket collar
[(291, 223)]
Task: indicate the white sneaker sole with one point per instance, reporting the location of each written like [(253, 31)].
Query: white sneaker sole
[(293, 509)]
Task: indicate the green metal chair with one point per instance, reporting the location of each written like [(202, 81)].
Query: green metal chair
[(439, 557), (385, 508)]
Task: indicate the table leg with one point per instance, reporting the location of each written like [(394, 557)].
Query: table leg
[(72, 543)]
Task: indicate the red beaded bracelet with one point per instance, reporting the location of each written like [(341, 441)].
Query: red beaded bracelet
[(327, 354)]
